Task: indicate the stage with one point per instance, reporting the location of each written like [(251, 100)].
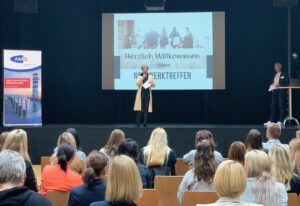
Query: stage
[(42, 140)]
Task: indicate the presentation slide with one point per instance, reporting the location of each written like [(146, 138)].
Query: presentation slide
[(179, 49)]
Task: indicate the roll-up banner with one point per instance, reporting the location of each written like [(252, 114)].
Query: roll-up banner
[(22, 84)]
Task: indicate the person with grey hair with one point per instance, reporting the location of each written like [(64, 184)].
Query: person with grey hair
[(12, 177)]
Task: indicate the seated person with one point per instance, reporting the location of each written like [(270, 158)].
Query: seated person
[(253, 140), (60, 176), (237, 152), (230, 182), (131, 149), (94, 188), (201, 135), (12, 178), (200, 178), (273, 133), (124, 173)]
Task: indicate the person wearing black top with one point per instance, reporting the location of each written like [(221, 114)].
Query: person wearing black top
[(143, 100), (295, 184), (278, 100)]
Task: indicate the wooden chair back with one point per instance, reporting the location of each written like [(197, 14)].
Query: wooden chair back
[(149, 198), (58, 198), (191, 198), (181, 167), (293, 199), (45, 160), (167, 187)]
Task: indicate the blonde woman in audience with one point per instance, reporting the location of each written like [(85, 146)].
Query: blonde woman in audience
[(124, 184), (3, 137), (111, 147), (283, 169), (298, 134), (157, 152), (202, 135), (261, 186), (199, 178), (17, 141), (77, 164), (230, 182), (295, 154)]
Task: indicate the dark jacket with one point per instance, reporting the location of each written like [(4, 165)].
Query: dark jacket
[(22, 196), (171, 160), (104, 203), (30, 181), (283, 79), (84, 195), (295, 185), (145, 175)]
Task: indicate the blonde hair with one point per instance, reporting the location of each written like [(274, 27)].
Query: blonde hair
[(260, 167), (157, 150), (298, 134), (295, 153), (67, 137), (274, 130), (116, 137), (124, 182), (230, 179), (17, 141)]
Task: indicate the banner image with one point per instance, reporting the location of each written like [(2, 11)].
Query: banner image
[(22, 83)]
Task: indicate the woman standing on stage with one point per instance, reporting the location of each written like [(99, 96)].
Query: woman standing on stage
[(143, 100)]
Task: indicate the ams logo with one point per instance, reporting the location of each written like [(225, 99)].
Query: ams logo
[(19, 59)]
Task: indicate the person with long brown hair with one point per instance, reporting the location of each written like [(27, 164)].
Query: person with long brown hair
[(237, 152), (254, 140), (200, 178), (17, 141), (202, 135), (110, 149), (94, 188)]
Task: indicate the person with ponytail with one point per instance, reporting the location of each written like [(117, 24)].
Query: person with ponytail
[(60, 176), (261, 186), (200, 178), (94, 188)]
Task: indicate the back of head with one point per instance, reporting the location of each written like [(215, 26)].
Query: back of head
[(96, 163), (230, 179), (281, 164), (157, 149), (274, 130), (75, 134), (123, 181), (298, 134), (237, 152), (12, 168), (67, 137), (17, 141), (295, 153), (3, 137), (205, 163), (253, 140), (259, 166), (130, 148), (116, 137), (65, 152), (205, 135)]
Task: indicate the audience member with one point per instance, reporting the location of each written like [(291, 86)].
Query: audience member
[(3, 137), (283, 169), (157, 152), (199, 178), (12, 177), (261, 186), (131, 149), (298, 134), (60, 176), (124, 185), (253, 140), (76, 136), (237, 152), (17, 141), (295, 154), (201, 135), (110, 149), (77, 164), (94, 188), (230, 182), (273, 133)]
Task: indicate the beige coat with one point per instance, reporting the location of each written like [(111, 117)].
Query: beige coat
[(138, 101)]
